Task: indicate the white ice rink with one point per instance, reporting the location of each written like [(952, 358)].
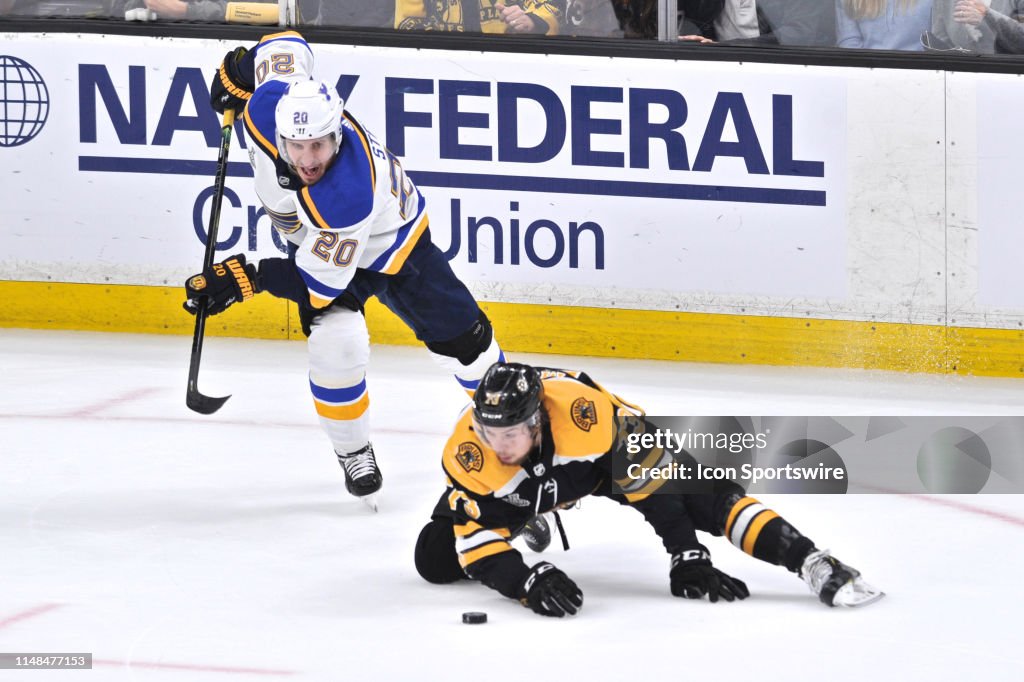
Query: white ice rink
[(174, 546)]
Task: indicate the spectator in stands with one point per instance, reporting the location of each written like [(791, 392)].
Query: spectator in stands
[(882, 24), (591, 18), (639, 18), (964, 26), (58, 8), (777, 22), (987, 19), (540, 17), (351, 13)]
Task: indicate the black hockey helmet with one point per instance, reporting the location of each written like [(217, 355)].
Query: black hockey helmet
[(509, 394)]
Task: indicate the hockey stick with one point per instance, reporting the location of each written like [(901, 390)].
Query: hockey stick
[(196, 401)]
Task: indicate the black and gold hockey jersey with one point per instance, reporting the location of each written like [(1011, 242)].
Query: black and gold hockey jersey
[(472, 15), (489, 502)]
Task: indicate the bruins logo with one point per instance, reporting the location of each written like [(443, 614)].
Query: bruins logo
[(198, 282), (470, 456), (584, 413)]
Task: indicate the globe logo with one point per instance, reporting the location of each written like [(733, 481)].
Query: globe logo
[(24, 101)]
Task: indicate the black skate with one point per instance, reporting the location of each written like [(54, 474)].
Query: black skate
[(537, 533), (835, 583), (362, 476)]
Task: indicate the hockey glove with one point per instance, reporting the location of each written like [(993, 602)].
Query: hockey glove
[(234, 82), (549, 592), (692, 576), (220, 285)]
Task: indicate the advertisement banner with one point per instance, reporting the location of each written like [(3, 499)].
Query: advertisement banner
[(621, 180), (1000, 242)]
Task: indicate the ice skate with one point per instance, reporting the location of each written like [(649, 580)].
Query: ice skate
[(537, 533), (835, 583), (362, 476)]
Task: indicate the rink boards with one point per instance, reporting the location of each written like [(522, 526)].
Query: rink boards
[(705, 211)]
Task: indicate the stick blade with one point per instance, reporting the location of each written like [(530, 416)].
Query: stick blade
[(203, 404)]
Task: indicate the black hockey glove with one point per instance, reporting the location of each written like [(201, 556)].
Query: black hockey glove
[(549, 592), (234, 82), (693, 576), (220, 285)]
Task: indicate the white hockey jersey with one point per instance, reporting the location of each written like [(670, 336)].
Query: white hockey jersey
[(363, 213)]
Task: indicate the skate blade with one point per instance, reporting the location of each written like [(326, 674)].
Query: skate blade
[(857, 593), (370, 500)]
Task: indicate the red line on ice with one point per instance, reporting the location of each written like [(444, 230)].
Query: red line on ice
[(208, 422), (969, 508), (952, 504), (128, 397), (198, 668), (31, 613)]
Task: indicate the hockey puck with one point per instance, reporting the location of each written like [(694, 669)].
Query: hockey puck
[(474, 617)]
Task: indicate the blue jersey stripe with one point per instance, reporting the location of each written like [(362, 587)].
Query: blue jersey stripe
[(471, 385), (338, 395), (468, 385), (319, 287)]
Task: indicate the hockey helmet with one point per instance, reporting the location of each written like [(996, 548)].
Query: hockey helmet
[(510, 393), (308, 110)]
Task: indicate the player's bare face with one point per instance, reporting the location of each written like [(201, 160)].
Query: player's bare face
[(511, 443), (310, 158)]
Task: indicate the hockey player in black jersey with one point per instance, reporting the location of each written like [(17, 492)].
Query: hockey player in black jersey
[(537, 439)]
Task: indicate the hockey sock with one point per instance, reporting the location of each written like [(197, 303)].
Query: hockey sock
[(764, 535)]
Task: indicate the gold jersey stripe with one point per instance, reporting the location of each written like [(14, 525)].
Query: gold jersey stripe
[(399, 257), (467, 529), (472, 528), (343, 412), (319, 301), (307, 203), (754, 530), (282, 34), (742, 504), (484, 551), (256, 135), (366, 147)]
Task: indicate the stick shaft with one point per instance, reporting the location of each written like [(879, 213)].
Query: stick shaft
[(193, 397)]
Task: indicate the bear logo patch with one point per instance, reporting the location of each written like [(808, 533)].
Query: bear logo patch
[(470, 456), (584, 413)]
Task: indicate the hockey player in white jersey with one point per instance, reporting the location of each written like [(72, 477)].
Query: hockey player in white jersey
[(356, 227)]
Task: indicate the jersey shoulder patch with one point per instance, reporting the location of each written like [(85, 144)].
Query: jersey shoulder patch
[(584, 413), (582, 418), (470, 456), (473, 465)]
